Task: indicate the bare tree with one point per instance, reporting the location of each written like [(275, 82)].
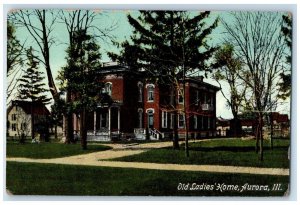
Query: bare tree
[(40, 25), (259, 44), (23, 125), (15, 59), (80, 20), (228, 72)]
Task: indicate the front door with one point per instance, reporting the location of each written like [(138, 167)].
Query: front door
[(150, 120)]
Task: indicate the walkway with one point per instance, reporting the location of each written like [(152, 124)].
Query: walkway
[(121, 150)]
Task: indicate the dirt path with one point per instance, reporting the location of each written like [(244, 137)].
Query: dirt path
[(121, 150)]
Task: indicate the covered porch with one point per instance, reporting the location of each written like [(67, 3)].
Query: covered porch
[(104, 123)]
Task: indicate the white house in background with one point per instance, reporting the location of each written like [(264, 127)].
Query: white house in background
[(19, 117)]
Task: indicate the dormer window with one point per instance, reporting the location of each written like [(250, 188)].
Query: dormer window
[(150, 93)]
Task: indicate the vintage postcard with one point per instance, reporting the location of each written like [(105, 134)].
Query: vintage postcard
[(148, 102)]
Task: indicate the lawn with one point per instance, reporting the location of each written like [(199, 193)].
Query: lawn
[(52, 179), (234, 152), (47, 150)]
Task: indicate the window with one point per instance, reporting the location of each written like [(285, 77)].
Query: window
[(14, 127), (172, 121), (23, 126), (180, 121), (202, 122), (140, 116), (195, 121), (164, 119), (150, 90), (140, 87), (180, 96), (108, 88), (13, 117), (208, 123)]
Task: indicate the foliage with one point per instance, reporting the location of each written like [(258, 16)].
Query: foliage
[(57, 111), (168, 45), (230, 68), (81, 77), (31, 85), (165, 41), (286, 78)]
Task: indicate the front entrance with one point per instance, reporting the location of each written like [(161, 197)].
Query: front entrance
[(150, 119)]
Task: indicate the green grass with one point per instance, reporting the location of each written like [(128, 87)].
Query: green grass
[(234, 152), (51, 179), (49, 150)]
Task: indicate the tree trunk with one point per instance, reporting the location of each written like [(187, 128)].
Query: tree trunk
[(175, 137), (235, 125), (55, 131), (68, 121), (187, 154), (46, 55), (83, 131), (261, 147), (32, 121), (271, 134)]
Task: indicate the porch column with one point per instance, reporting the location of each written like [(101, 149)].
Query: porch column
[(109, 122), (118, 119), (95, 118)]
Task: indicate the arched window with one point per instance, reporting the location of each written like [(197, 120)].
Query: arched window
[(108, 88), (140, 117), (150, 92), (140, 87), (150, 113)]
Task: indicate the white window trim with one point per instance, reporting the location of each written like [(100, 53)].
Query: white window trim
[(105, 88), (152, 113), (153, 86), (140, 113), (179, 121), (164, 118), (150, 110)]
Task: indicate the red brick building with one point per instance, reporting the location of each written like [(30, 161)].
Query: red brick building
[(143, 109)]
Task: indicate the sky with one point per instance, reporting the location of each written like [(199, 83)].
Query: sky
[(122, 32)]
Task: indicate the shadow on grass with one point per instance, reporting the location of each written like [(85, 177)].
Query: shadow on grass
[(232, 149)]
